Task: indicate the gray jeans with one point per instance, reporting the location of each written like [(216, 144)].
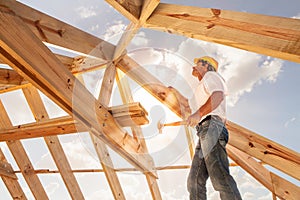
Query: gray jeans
[(210, 160)]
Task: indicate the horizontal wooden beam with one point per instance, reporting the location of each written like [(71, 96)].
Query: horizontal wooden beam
[(268, 35), (126, 115), (24, 52), (265, 150)]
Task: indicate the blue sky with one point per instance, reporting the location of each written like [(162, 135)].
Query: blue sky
[(264, 97)]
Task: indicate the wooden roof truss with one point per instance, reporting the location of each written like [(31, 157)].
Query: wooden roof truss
[(24, 33)]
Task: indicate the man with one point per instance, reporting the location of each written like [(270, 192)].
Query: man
[(210, 159)]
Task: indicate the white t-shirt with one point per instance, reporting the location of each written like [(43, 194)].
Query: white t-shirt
[(211, 82)]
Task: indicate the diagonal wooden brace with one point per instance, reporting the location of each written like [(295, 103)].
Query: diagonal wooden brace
[(7, 170)]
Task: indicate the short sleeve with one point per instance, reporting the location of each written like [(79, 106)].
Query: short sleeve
[(213, 82)]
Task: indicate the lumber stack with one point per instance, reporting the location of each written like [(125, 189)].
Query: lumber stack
[(131, 114)]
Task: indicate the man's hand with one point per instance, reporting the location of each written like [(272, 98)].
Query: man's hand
[(193, 119)]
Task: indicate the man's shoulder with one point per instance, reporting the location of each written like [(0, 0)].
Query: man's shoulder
[(213, 75)]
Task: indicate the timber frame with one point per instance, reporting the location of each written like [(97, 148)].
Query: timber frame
[(23, 33)]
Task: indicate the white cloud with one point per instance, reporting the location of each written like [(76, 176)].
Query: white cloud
[(249, 195), (140, 39), (114, 32), (297, 16), (286, 124), (86, 12), (77, 153), (51, 188)]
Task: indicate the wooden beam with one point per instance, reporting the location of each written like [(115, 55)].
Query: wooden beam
[(67, 125), (58, 126), (7, 170), (127, 97), (12, 184), (76, 65), (38, 109), (147, 9), (22, 160), (101, 149), (265, 150), (56, 32), (128, 8), (131, 30), (268, 35), (283, 187), (34, 61), (284, 190), (10, 77)]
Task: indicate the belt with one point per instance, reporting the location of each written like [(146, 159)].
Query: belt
[(206, 119), (209, 117)]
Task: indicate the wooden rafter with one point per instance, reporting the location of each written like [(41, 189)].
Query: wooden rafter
[(267, 35), (56, 32), (146, 10), (286, 190), (34, 61), (21, 158), (274, 36), (265, 150), (129, 9), (39, 111), (11, 183), (127, 97), (101, 149)]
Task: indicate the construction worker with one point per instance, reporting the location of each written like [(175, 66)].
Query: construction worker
[(210, 159)]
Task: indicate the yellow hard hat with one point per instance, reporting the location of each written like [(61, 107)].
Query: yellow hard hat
[(208, 59)]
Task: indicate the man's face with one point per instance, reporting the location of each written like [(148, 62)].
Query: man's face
[(199, 70)]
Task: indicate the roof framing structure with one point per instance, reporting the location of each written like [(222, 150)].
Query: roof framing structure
[(24, 34)]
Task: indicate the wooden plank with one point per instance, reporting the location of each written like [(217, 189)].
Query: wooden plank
[(57, 126), (17, 150), (76, 65), (67, 125), (10, 77), (101, 149), (268, 35), (125, 10), (286, 189), (7, 170), (11, 184), (277, 185), (127, 36), (264, 149), (39, 111), (147, 9), (34, 61), (127, 97), (56, 32), (131, 30)]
